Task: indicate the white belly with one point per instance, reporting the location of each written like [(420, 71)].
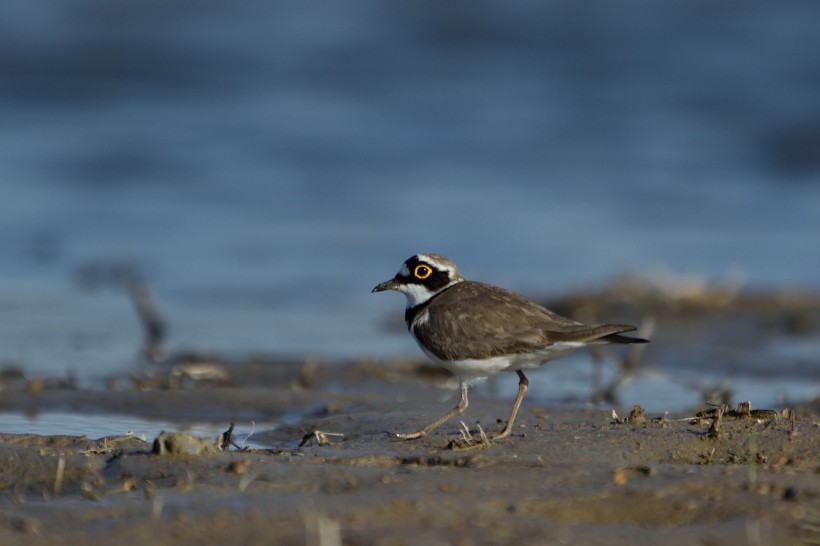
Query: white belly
[(472, 370)]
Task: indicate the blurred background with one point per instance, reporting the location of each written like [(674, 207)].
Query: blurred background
[(263, 165)]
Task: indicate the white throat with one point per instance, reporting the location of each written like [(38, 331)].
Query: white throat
[(417, 294)]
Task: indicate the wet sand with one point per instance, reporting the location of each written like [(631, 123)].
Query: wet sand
[(567, 475)]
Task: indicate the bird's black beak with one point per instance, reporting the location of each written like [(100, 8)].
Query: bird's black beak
[(392, 284)]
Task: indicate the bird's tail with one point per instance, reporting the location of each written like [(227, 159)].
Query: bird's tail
[(618, 338)]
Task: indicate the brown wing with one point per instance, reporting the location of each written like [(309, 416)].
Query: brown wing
[(476, 320)]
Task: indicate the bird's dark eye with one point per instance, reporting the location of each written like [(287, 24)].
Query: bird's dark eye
[(422, 271)]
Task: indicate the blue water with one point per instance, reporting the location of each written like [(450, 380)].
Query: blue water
[(263, 165), (101, 425)]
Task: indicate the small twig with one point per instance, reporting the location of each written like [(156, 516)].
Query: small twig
[(58, 478), (321, 438), (466, 435), (485, 441), (714, 430), (253, 429), (469, 439), (225, 439), (152, 321)]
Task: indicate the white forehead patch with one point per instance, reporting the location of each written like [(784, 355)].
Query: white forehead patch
[(440, 263), (435, 262)]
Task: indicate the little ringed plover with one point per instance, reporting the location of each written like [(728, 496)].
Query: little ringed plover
[(476, 330)]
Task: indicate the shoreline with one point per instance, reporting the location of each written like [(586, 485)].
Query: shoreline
[(575, 476)]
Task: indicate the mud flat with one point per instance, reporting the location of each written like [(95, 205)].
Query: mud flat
[(572, 476), (327, 473)]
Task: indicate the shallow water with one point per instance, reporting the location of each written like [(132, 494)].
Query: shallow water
[(264, 167), (657, 391), (99, 425)]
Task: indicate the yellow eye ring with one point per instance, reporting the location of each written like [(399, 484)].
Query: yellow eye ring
[(422, 271)]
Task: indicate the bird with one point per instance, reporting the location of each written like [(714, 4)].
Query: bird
[(475, 330)]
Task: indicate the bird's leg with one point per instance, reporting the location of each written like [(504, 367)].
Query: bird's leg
[(458, 410), (523, 382)]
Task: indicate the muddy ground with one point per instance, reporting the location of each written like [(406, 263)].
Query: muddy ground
[(568, 475)]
